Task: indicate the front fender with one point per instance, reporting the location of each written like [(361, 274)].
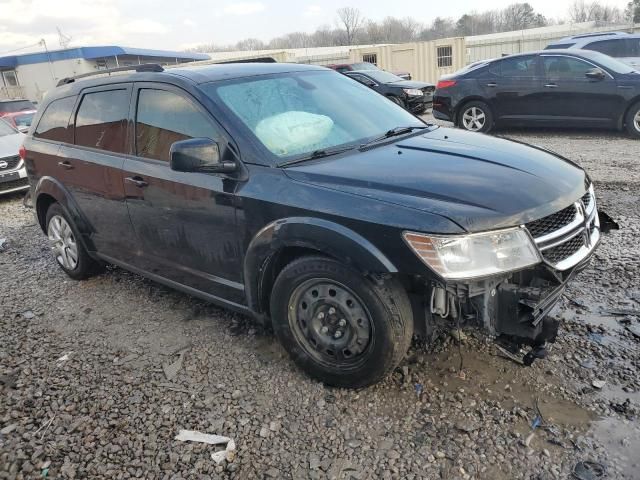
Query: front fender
[(50, 187), (316, 234)]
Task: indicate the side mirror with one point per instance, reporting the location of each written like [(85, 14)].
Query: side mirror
[(199, 155), (595, 74)]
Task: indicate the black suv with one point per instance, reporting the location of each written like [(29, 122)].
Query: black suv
[(298, 196)]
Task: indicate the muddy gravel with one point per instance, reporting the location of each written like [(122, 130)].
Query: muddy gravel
[(98, 377)]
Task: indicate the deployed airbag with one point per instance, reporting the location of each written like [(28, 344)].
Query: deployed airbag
[(292, 132)]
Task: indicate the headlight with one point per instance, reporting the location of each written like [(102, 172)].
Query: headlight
[(474, 255), (414, 92)]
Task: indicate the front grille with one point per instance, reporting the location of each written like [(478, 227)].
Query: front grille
[(21, 182), (12, 162), (564, 250), (586, 200), (553, 222)]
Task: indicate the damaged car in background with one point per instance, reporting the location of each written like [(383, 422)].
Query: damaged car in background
[(304, 199)]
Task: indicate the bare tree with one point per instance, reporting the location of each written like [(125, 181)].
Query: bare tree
[(632, 12), (250, 44), (581, 11), (351, 20)]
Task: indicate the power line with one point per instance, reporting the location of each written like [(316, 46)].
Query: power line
[(22, 48)]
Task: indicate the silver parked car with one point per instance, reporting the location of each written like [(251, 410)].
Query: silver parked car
[(13, 174), (623, 46)]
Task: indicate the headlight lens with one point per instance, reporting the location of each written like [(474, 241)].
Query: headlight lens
[(474, 255), (414, 92)]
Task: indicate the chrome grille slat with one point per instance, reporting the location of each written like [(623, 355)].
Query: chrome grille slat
[(566, 237)]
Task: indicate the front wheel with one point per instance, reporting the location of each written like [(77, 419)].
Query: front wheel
[(632, 120), (339, 326), (476, 117)]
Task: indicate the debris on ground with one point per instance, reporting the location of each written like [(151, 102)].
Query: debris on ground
[(171, 369), (458, 335), (598, 384), (3, 241), (588, 470), (634, 329), (194, 436)]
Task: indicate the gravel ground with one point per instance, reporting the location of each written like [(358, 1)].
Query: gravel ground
[(83, 391)]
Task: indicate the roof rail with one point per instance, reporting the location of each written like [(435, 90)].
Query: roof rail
[(145, 67), (600, 34)]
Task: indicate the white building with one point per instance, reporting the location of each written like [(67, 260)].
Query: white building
[(31, 75)]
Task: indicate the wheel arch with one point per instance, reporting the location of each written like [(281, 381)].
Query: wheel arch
[(632, 103), (465, 101), (49, 191), (284, 240)]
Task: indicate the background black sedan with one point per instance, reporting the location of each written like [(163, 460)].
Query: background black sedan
[(548, 88), (410, 94)]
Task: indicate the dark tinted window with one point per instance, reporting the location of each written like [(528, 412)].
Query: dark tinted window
[(54, 123), (164, 118), (517, 67), (101, 121), (620, 48), (363, 79), (566, 67), (559, 46)]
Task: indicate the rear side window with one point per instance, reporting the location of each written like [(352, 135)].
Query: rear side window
[(101, 121), (620, 48), (559, 46), (516, 67), (164, 118), (54, 123)]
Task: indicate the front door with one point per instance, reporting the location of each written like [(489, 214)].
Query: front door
[(185, 222), (571, 98)]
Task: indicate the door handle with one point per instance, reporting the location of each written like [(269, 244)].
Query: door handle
[(492, 84), (137, 181), (551, 85), (66, 165)]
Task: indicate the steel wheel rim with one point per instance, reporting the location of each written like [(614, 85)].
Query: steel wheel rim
[(331, 323), (64, 246), (636, 121), (474, 119)]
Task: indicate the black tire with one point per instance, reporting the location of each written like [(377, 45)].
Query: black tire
[(385, 306), (397, 101), (85, 266), (469, 108), (632, 120)]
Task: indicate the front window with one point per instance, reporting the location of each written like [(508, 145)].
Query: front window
[(295, 114), (381, 76), (607, 62)]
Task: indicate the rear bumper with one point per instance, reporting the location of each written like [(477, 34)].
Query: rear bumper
[(14, 181), (442, 108)]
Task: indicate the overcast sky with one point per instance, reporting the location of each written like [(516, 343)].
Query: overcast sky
[(179, 24)]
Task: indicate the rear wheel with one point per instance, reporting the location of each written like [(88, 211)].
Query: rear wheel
[(475, 117), (339, 326), (632, 120), (67, 248)]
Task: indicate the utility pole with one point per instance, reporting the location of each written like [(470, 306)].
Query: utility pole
[(44, 44)]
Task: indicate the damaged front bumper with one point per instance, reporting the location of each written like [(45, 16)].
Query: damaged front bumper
[(515, 307)]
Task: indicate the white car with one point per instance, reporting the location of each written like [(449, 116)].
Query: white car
[(13, 174)]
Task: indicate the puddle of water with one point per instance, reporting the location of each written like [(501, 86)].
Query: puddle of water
[(621, 441)]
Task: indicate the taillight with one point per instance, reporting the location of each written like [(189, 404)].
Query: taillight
[(22, 152), (445, 84)]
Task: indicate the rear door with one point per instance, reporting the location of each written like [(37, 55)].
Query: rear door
[(512, 87), (185, 222), (91, 167), (570, 98)]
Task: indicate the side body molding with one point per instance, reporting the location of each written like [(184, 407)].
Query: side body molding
[(315, 234)]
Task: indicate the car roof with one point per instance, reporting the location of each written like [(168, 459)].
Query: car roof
[(555, 51), (581, 40), (15, 100)]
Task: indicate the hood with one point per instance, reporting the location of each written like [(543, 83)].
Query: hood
[(478, 181), (10, 144), (411, 84)]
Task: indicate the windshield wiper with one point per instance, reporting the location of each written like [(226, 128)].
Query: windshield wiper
[(323, 152), (394, 132)]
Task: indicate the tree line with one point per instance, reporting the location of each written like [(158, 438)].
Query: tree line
[(351, 27)]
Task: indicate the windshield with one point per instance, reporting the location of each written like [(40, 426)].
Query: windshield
[(381, 76), (295, 114), (364, 66), (16, 106), (609, 63), (23, 120), (6, 129)]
